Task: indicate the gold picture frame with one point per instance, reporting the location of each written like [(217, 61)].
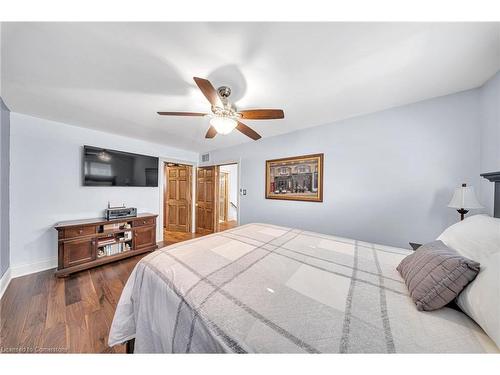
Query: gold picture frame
[(297, 178)]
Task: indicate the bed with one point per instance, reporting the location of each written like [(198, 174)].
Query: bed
[(261, 288)]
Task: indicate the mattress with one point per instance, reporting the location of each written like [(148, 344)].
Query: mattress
[(261, 288)]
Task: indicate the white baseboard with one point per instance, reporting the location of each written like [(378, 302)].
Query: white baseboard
[(27, 268), (4, 282)]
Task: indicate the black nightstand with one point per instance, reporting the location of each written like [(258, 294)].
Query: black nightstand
[(415, 246)]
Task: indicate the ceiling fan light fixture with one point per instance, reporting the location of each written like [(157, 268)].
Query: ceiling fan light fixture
[(225, 116), (223, 125)]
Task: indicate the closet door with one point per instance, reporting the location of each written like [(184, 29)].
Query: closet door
[(205, 200), (178, 198)]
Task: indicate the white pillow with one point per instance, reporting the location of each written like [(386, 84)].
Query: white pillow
[(478, 238)]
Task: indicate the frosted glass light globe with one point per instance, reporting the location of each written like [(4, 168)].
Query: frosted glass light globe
[(223, 125)]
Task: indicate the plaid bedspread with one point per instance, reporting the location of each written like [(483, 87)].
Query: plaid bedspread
[(261, 288)]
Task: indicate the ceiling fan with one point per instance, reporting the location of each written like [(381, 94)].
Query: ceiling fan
[(225, 117)]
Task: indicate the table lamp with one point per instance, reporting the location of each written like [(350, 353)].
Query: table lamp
[(464, 199)]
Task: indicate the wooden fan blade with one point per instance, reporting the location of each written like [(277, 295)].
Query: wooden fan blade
[(262, 114), (209, 91), (211, 132), (181, 114), (249, 132)]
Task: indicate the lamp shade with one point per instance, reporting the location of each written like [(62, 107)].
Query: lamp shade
[(464, 197)]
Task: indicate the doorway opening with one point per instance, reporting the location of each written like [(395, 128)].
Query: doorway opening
[(177, 202), (227, 202)]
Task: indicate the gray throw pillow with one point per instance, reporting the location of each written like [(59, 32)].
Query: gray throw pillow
[(436, 274)]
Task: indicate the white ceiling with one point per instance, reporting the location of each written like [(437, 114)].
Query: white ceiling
[(115, 76)]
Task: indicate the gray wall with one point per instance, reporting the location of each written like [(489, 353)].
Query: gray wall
[(4, 187), (489, 111), (388, 176)]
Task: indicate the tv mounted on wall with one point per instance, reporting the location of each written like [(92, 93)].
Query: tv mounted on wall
[(103, 167)]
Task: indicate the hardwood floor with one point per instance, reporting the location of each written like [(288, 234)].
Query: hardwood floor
[(225, 225), (40, 313), (171, 237)]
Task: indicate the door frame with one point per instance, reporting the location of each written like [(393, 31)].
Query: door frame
[(238, 179), (161, 196), (165, 189), (226, 203)]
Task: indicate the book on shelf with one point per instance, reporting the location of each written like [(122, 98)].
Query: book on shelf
[(113, 249)]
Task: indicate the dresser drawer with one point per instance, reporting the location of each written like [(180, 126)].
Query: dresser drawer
[(79, 231), (145, 221)]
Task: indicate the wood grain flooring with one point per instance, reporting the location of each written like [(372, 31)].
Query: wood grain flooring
[(225, 225), (40, 313), (171, 237)]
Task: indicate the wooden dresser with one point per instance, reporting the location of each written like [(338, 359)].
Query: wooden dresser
[(84, 244)]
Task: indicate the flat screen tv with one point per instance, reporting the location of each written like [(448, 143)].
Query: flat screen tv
[(103, 167)]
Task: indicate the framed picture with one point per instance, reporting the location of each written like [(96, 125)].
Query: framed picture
[(299, 178)]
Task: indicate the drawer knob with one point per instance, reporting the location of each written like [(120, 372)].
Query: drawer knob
[(80, 231), (144, 221)]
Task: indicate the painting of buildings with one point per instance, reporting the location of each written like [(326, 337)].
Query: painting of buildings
[(295, 178)]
